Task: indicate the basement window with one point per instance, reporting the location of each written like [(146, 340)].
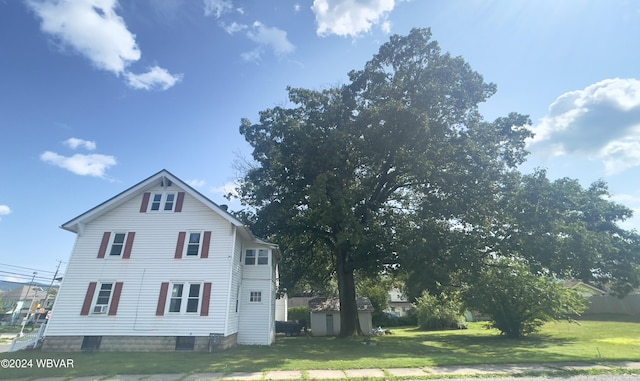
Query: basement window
[(185, 343), (91, 343)]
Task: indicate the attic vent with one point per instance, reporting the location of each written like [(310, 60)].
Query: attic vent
[(165, 183)]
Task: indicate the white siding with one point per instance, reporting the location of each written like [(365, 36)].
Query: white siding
[(236, 277), (256, 323), (319, 322), (152, 262), (255, 318)]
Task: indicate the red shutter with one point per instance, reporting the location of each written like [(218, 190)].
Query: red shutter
[(205, 245), (115, 299), (180, 245), (103, 245), (88, 298), (179, 202), (145, 202), (162, 299), (206, 295), (128, 245)]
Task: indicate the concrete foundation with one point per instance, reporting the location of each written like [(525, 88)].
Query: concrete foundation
[(137, 343)]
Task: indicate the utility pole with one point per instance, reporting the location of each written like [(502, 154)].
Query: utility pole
[(24, 321), (44, 304)]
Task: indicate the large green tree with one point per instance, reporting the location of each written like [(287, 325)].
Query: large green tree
[(342, 173)]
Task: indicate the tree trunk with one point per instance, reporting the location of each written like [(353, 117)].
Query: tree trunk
[(349, 324)]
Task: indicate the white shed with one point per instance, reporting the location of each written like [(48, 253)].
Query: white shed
[(325, 316)]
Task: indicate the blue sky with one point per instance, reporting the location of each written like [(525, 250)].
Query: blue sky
[(97, 95)]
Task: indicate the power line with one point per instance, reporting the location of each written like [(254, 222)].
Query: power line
[(26, 277), (27, 268), (23, 275)]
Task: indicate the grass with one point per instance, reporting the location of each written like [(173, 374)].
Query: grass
[(583, 341)]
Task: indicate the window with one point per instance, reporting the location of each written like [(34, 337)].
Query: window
[(155, 203), (193, 244), (185, 298), (91, 343), (168, 204), (117, 245), (185, 343), (193, 298), (163, 201), (262, 257), (250, 257), (176, 298), (103, 298), (255, 297)]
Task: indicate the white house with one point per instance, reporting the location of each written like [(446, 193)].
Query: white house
[(160, 267), (398, 303)]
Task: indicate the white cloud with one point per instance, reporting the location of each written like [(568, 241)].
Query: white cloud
[(4, 210), (351, 17), (267, 38), (226, 189), (84, 165), (274, 38), (217, 7), (599, 122), (155, 78), (252, 56), (74, 143), (632, 202), (234, 27), (91, 28), (196, 183)]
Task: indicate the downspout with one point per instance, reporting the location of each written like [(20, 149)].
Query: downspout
[(231, 273)]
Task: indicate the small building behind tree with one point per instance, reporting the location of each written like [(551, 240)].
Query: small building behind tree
[(325, 316)]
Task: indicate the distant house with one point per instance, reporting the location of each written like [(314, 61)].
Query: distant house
[(398, 303), (160, 267), (25, 300), (584, 289), (325, 316), (600, 302)]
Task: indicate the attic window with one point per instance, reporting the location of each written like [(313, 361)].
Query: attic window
[(163, 202)]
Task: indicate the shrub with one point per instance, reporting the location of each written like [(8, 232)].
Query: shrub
[(300, 314), (517, 301), (438, 312), (410, 319)]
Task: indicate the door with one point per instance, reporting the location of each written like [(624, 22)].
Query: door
[(329, 325)]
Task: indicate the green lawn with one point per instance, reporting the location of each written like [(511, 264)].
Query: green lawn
[(589, 341)]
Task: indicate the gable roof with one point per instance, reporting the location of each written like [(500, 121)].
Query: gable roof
[(324, 304), (163, 177), (583, 288)]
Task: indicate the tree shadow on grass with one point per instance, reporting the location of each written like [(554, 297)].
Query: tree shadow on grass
[(417, 349)]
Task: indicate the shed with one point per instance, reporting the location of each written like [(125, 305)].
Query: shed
[(325, 315)]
